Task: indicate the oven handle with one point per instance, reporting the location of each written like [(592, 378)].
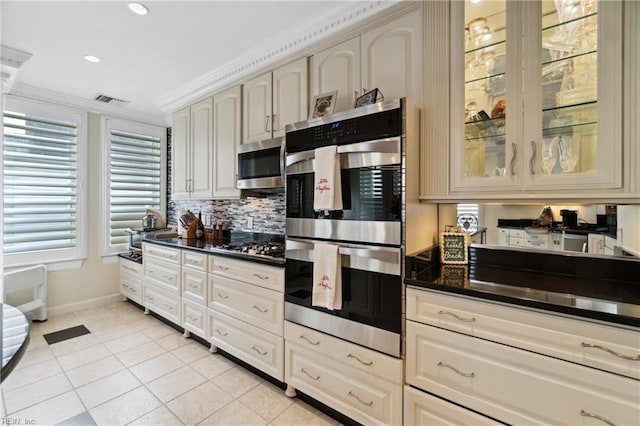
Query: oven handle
[(383, 254), (383, 146)]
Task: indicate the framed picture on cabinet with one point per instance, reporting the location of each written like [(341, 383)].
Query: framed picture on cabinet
[(454, 246), (371, 97), (323, 104)]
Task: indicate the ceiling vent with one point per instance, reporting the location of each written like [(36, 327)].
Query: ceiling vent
[(110, 100)]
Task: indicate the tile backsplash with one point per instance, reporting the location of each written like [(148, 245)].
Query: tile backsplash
[(267, 212)]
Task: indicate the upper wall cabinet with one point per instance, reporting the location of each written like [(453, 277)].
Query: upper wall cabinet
[(227, 118), (388, 58), (273, 100), (192, 152), (535, 100)]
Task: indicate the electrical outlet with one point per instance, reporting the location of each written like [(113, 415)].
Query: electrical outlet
[(249, 222)]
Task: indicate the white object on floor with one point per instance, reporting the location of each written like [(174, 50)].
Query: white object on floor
[(23, 281), (328, 189), (327, 276)]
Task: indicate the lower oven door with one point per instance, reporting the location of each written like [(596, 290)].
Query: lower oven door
[(371, 313)]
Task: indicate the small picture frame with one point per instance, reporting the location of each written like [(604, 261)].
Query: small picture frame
[(454, 246), (371, 97), (323, 104)]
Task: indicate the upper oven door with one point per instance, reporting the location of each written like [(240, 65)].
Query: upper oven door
[(371, 178), (260, 164)]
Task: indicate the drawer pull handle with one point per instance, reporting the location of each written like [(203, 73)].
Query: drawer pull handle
[(222, 296), (190, 285), (260, 310), (168, 278), (222, 268), (258, 350), (169, 307), (362, 401), (458, 317), (222, 333), (359, 360), (302, 336), (192, 318), (262, 277), (302, 370), (442, 364), (591, 345), (595, 416), (150, 299)]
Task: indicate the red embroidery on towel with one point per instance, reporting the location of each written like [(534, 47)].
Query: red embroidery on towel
[(322, 185), (324, 282)]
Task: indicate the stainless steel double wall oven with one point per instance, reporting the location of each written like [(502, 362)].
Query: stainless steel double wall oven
[(369, 229)]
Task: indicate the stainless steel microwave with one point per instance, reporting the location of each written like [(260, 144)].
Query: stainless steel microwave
[(261, 164)]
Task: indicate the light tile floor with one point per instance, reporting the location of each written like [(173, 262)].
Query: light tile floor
[(134, 369)]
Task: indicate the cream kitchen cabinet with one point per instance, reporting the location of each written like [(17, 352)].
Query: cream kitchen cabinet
[(273, 100), (194, 293), (534, 107), (388, 57), (358, 382), (227, 127), (162, 281), (246, 312), (595, 243), (131, 274), (192, 151), (474, 353)]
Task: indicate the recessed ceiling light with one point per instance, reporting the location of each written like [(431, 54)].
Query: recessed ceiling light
[(92, 58), (138, 8)]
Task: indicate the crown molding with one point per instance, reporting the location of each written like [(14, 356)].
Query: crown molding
[(11, 60), (44, 95), (284, 46)]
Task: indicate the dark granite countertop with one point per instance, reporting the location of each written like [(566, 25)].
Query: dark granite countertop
[(210, 247), (600, 288)]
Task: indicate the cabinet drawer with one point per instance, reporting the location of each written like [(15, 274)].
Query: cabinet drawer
[(421, 408), (517, 233), (364, 397), (256, 305), (264, 351), (162, 303), (517, 242), (513, 385), (131, 289), (266, 276), (133, 269), (537, 243), (194, 260), (503, 231), (558, 336), (165, 276), (194, 318), (167, 254), (194, 286), (355, 356)]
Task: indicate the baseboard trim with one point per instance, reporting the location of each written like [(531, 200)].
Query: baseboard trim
[(85, 304)]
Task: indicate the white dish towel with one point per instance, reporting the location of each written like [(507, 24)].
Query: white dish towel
[(327, 277), (328, 189)]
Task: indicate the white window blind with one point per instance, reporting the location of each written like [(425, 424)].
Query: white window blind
[(40, 183), (135, 164)]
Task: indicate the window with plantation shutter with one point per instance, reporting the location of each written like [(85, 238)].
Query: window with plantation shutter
[(42, 192), (136, 156)]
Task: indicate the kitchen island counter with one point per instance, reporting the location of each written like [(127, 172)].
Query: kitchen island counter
[(598, 288)]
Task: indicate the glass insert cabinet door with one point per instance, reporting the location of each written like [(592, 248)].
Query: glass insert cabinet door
[(536, 94), (485, 88)]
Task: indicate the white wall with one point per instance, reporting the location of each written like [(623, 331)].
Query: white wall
[(74, 289)]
